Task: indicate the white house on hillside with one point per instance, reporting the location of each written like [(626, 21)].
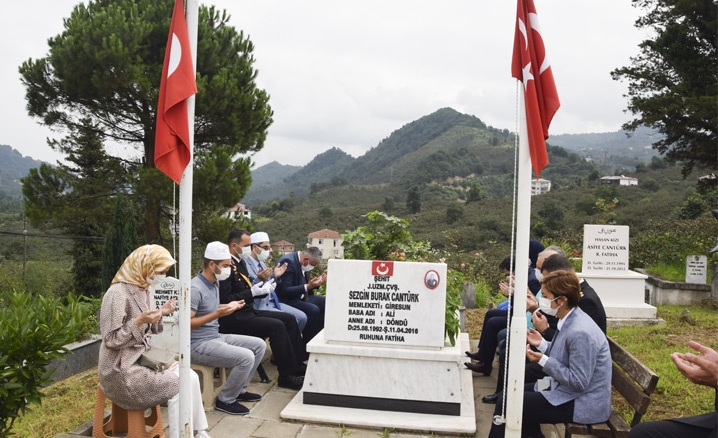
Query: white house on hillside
[(620, 180), (330, 242), (540, 186), (239, 209)]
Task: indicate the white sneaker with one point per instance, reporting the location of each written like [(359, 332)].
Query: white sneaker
[(202, 434)]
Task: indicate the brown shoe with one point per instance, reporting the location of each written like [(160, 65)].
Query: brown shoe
[(479, 368)]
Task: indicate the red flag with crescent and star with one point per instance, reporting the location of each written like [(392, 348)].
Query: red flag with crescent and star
[(172, 146), (530, 65)]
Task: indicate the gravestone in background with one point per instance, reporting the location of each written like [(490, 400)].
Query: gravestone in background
[(696, 269)]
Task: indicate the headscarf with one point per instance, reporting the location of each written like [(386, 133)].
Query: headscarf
[(535, 247), (142, 264)]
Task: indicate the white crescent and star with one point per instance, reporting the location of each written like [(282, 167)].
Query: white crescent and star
[(175, 55), (380, 271), (526, 70)]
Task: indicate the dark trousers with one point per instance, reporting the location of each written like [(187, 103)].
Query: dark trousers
[(532, 372), (281, 329), (314, 309), (494, 322), (702, 426), (537, 410)]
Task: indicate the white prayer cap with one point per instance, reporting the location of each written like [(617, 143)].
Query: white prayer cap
[(259, 237), (217, 251)]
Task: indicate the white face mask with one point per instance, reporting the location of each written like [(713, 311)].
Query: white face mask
[(246, 253), (539, 275), (263, 255), (545, 306), (307, 268), (155, 281), (223, 274)]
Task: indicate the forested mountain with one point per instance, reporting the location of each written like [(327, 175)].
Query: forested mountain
[(13, 166)]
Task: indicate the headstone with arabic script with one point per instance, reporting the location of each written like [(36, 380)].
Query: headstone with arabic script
[(384, 302), (696, 269), (605, 249)]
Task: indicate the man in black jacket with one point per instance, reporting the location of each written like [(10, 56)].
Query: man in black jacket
[(280, 327)]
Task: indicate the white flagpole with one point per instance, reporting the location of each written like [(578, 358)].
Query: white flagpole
[(185, 244), (514, 390)]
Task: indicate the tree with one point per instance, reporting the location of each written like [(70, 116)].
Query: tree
[(673, 82), (74, 197), (120, 241), (388, 204), (413, 200), (105, 67), (475, 193), (454, 212)]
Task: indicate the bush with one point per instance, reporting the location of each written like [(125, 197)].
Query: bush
[(33, 330)]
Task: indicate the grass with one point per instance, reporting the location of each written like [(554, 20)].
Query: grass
[(675, 396), (70, 403), (674, 272)]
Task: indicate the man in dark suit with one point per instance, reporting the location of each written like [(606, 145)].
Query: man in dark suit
[(296, 289), (702, 370), (280, 327)]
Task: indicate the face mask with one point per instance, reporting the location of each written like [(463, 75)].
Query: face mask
[(223, 273), (155, 281), (246, 253), (539, 275), (262, 256), (307, 268), (545, 306)]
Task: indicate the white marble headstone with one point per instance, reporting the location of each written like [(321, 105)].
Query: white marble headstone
[(605, 249), (167, 289), (696, 269), (392, 304)]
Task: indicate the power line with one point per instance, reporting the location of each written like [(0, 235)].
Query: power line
[(54, 236)]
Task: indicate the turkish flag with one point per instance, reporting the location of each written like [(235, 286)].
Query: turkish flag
[(172, 147), (530, 65), (382, 268)]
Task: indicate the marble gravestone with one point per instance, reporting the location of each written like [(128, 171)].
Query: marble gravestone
[(382, 359), (605, 268), (696, 269), (167, 289)]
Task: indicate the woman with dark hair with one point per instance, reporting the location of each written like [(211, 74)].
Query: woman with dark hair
[(577, 363)]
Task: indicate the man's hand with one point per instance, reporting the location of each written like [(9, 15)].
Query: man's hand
[(229, 308), (317, 281), (265, 274), (279, 270), (700, 369), (506, 286), (540, 321), (531, 302)]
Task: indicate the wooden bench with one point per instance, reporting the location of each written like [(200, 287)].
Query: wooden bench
[(635, 382)]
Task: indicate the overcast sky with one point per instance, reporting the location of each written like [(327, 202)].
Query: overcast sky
[(347, 73)]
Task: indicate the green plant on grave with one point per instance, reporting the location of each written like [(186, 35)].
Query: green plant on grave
[(33, 331)]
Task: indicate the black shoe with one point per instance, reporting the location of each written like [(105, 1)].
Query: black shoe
[(474, 356), (479, 368), (291, 382), (491, 398), (231, 408), (248, 397)]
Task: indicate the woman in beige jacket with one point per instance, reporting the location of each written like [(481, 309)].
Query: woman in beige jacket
[(127, 321)]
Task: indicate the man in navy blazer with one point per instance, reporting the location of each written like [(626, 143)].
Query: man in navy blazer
[(296, 289)]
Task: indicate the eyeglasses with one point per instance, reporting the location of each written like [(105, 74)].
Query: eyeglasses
[(268, 248)]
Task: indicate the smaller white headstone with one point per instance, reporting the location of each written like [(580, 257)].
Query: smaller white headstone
[(167, 289), (605, 249), (696, 269), (385, 303)]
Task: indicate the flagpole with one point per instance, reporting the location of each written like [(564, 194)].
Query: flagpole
[(185, 244), (517, 342)]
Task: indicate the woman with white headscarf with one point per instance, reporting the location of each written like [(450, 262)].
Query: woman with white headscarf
[(127, 321)]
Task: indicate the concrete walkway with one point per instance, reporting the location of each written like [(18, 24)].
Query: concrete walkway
[(264, 421)]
